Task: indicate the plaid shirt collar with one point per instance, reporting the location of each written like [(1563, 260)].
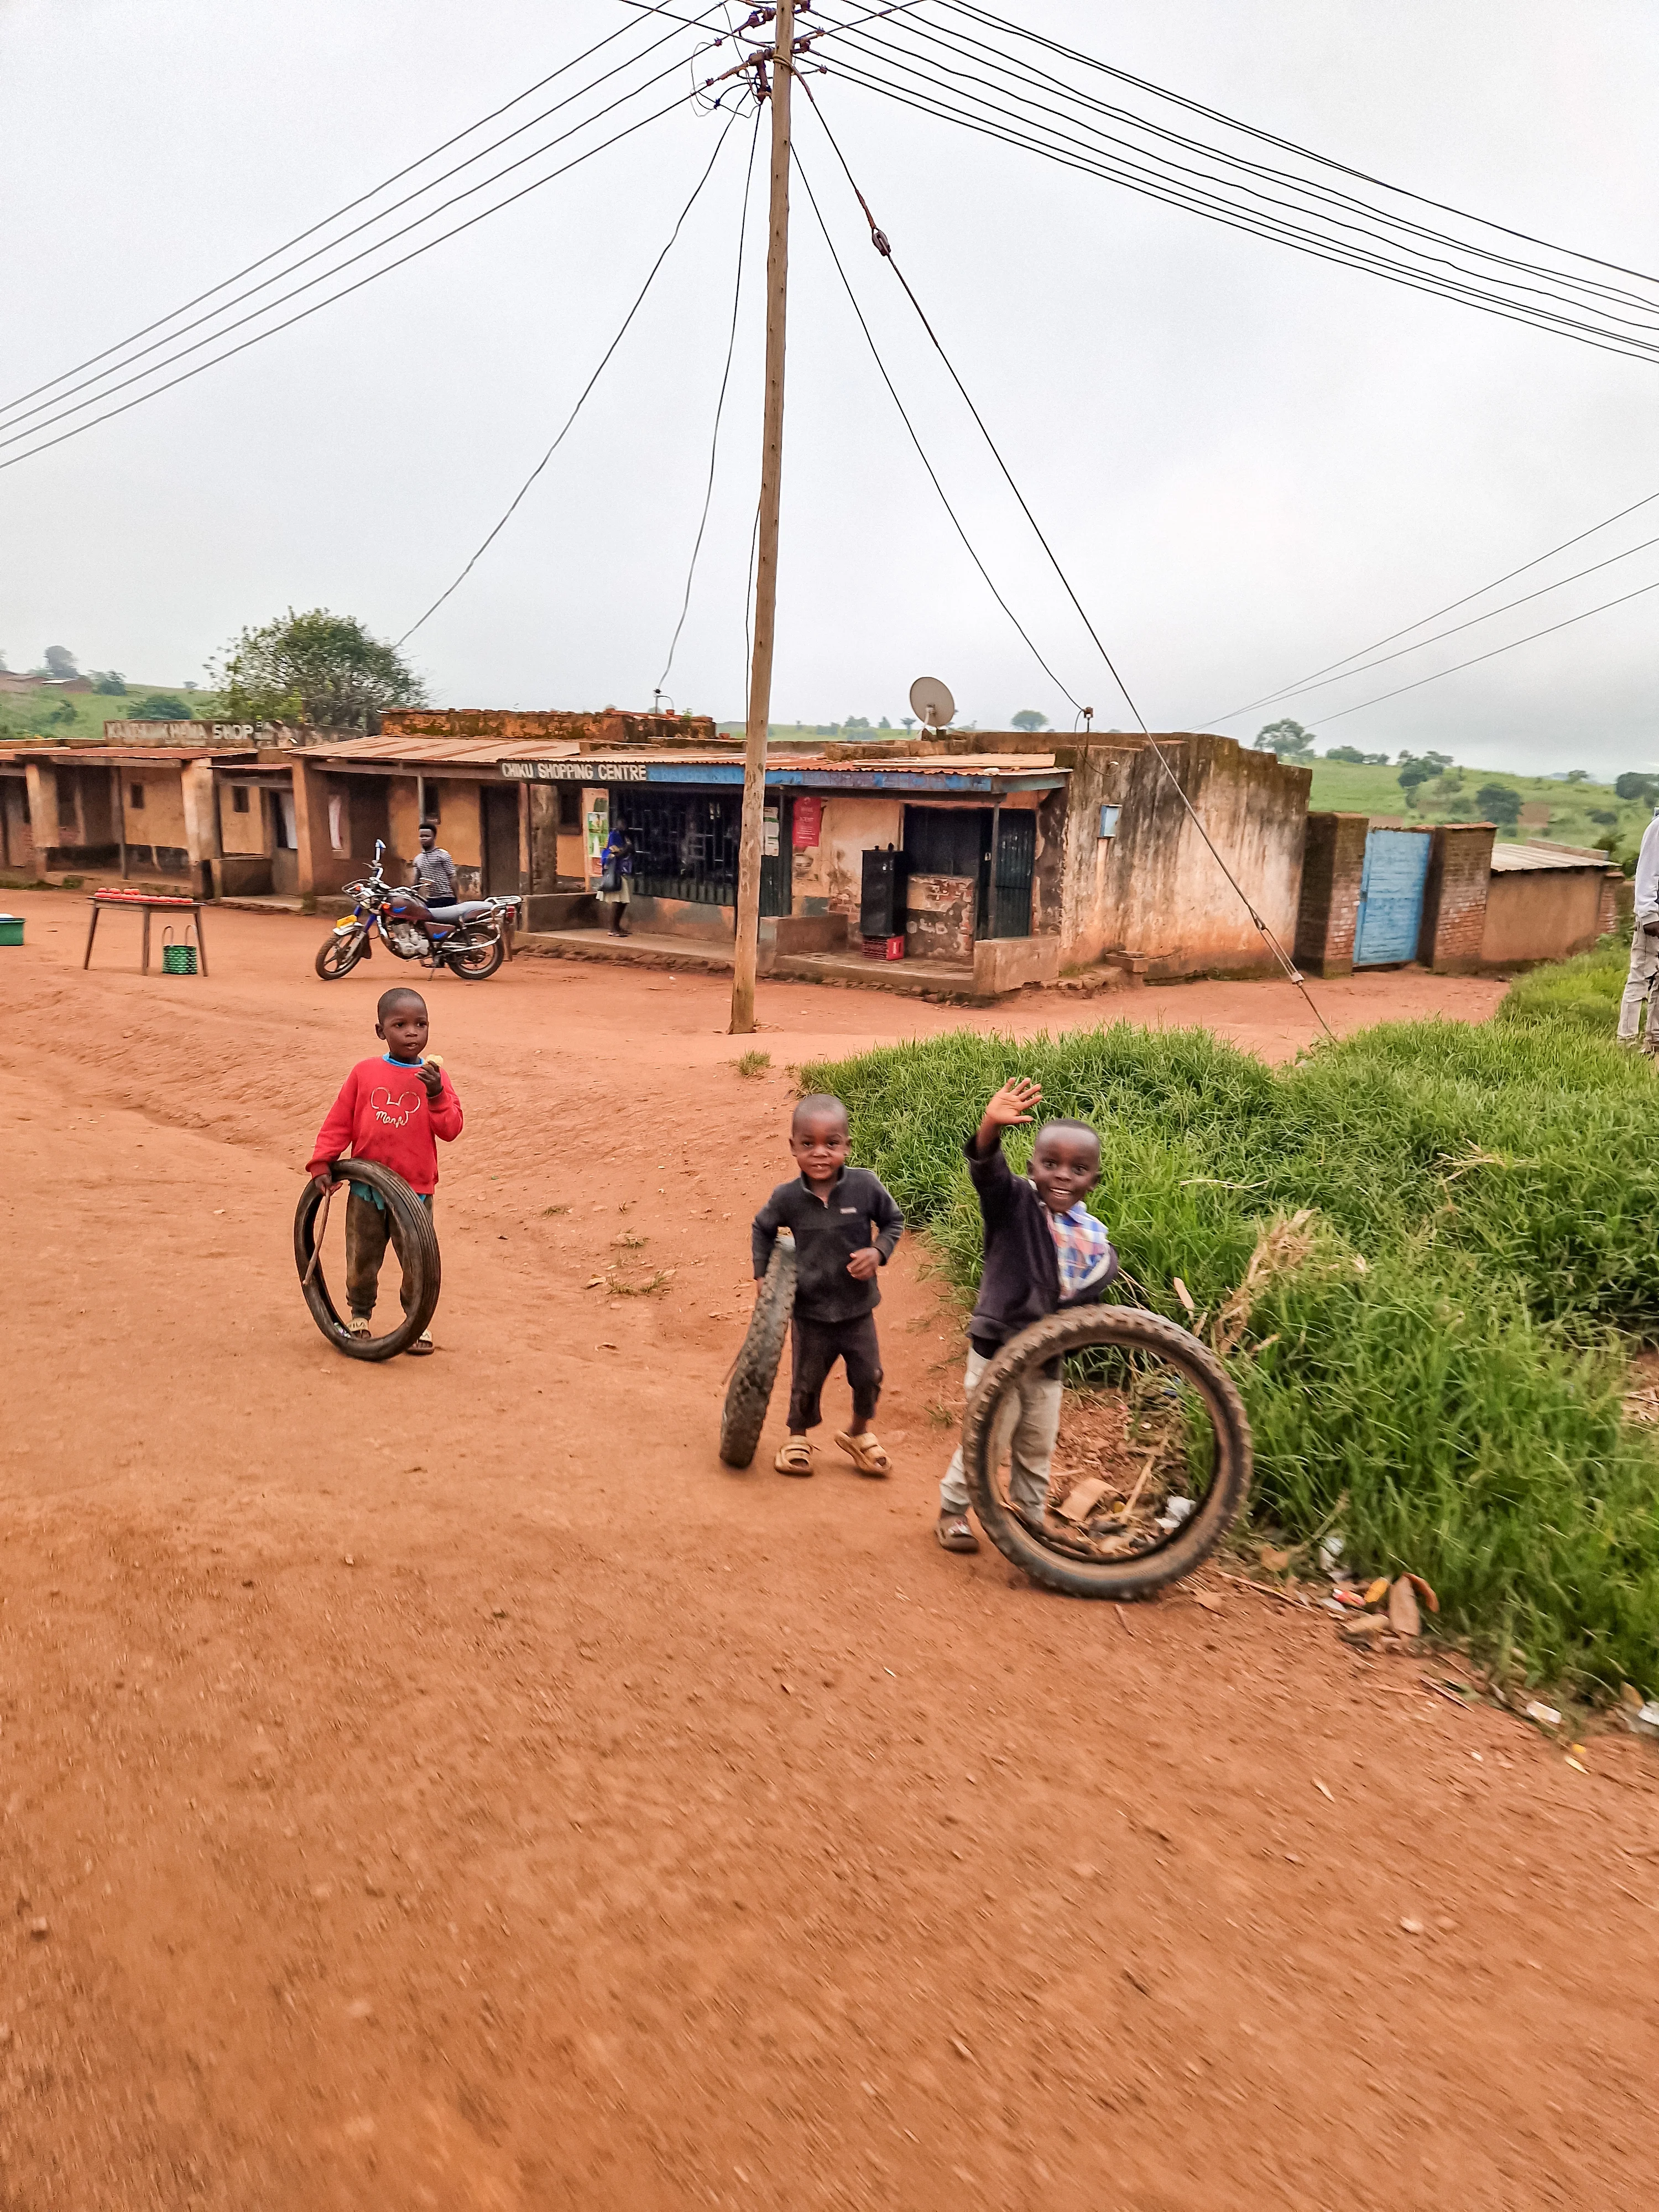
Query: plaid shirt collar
[(1081, 1247)]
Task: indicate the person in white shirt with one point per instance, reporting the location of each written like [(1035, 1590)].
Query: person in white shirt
[(1644, 944)]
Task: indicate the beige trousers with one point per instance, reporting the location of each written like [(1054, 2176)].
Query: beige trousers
[(1026, 1429)]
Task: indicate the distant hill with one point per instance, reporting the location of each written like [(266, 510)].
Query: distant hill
[(1551, 810), (49, 711)]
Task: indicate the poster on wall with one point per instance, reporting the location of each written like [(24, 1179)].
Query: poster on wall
[(808, 823), (596, 829), (769, 833)]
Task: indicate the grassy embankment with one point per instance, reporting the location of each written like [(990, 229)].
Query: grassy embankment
[(1454, 1405), (1579, 813), (26, 715)]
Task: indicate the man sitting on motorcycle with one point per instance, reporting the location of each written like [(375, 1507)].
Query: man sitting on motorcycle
[(431, 872)]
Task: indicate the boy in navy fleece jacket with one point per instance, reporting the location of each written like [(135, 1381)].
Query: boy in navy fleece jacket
[(1044, 1251), (392, 1110)]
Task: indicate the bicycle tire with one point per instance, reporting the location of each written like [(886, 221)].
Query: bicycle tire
[(456, 963), (332, 969), (420, 1242), (1061, 1567), (749, 1392)]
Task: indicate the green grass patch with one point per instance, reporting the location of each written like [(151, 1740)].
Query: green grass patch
[(1446, 1371)]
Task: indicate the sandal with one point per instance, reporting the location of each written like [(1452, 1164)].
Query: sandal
[(954, 1532), (794, 1457), (865, 1454), (421, 1345)]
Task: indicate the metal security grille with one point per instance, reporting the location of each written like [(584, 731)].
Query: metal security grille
[(686, 843), (1016, 862)]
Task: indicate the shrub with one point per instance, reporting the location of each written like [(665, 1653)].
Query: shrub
[(1447, 1370)]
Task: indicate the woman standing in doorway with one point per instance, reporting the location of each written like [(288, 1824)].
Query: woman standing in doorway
[(616, 877)]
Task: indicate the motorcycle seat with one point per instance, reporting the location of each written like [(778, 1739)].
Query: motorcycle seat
[(464, 911)]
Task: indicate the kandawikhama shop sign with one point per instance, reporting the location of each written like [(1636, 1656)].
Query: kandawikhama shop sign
[(574, 771)]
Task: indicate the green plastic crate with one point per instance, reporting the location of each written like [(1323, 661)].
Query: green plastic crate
[(11, 929)]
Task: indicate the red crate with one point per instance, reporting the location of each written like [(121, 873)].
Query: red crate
[(883, 948)]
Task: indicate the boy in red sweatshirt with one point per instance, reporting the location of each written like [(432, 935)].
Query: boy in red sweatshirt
[(392, 1110)]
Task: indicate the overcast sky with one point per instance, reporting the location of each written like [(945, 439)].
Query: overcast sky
[(1252, 463)]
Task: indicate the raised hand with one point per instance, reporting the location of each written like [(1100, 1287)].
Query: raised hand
[(1016, 1101)]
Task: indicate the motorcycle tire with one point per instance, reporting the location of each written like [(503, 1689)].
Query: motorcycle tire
[(749, 1392), (477, 962), (1130, 1330), (419, 1240), (340, 952)]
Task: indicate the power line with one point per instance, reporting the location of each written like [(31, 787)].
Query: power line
[(879, 240), (1271, 139), (338, 268), (1303, 682), (582, 398), (915, 438), (1492, 614), (10, 407), (719, 403), (1530, 639), (1171, 192), (316, 307)]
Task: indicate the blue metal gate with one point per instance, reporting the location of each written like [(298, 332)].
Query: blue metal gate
[(1390, 896)]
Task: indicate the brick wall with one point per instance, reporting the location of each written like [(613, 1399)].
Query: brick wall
[(1455, 897), (1332, 863), (1618, 904)]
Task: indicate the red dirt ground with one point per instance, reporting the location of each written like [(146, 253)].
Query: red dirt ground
[(442, 1784)]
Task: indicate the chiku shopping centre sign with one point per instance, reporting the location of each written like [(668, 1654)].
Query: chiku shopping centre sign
[(574, 771)]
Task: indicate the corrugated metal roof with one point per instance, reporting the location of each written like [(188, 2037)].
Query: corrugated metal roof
[(485, 752), (480, 752), (119, 755), (1509, 860)]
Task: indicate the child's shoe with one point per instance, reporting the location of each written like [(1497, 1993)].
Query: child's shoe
[(421, 1345), (358, 1326), (794, 1457), (954, 1532), (865, 1454)]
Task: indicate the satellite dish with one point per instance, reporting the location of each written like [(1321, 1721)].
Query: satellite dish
[(932, 702)]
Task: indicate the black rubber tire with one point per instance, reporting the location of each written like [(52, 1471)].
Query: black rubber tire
[(420, 1241), (748, 1393), (481, 972), (339, 953), (1133, 1330)]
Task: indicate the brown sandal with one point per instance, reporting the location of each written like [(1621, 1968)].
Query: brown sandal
[(794, 1457), (954, 1532), (865, 1454)]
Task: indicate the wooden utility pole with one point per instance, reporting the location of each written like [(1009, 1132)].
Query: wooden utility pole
[(766, 570)]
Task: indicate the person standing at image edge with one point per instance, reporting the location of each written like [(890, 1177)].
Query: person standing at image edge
[(616, 877), (1644, 946)]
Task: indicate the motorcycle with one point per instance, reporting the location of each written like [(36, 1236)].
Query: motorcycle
[(469, 937)]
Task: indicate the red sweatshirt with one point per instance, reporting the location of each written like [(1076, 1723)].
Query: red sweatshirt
[(382, 1114)]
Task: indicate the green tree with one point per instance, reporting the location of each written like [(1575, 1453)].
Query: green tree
[(1028, 719), (1413, 772), (1499, 803), (1352, 754), (1630, 786), (162, 707), (110, 682), (315, 667), (1579, 775), (1289, 740), (60, 663)]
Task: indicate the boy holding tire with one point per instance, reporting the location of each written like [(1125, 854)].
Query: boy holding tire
[(845, 1224), (392, 1110), (1044, 1251)]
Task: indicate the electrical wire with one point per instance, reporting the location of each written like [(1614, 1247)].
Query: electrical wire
[(883, 244), (1315, 245), (11, 408), (1497, 583), (1270, 138), (373, 275), (1170, 186), (1529, 639), (605, 357), (914, 439), (719, 403), (338, 268), (1405, 228), (1439, 636)]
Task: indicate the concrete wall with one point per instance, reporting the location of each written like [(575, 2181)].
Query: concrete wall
[(16, 836), (1454, 897), (243, 835), (160, 821), (1327, 913), (1154, 890), (601, 731), (829, 876), (1541, 914), (939, 919)]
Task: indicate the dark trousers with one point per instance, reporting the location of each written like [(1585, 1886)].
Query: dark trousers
[(818, 1345), (368, 1231)]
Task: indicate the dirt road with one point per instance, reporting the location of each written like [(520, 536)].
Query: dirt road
[(444, 1785)]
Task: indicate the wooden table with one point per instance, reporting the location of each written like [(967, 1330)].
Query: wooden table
[(148, 903)]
